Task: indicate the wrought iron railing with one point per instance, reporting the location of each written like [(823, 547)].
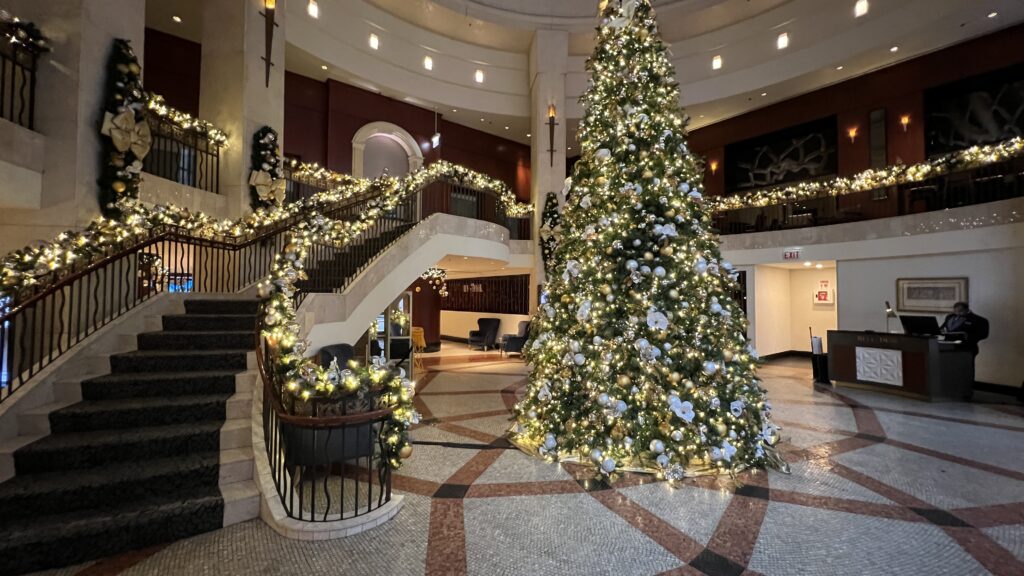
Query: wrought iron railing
[(183, 156), (18, 69), (325, 468), (992, 182), (302, 187)]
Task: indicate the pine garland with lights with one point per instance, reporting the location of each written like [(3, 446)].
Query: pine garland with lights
[(640, 359), (125, 102), (550, 231), (266, 185)]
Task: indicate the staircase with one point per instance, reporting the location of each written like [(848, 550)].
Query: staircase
[(157, 450), (333, 272)]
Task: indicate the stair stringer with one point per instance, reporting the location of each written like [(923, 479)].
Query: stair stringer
[(342, 318)]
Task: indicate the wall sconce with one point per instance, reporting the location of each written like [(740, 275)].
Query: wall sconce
[(714, 166), (552, 113), (905, 121), (269, 8), (852, 133)]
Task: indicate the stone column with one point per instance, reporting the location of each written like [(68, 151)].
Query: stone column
[(549, 63), (233, 94), (69, 108)]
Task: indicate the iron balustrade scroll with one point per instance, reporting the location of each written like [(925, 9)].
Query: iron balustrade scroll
[(18, 70), (182, 156), (325, 468), (989, 183)]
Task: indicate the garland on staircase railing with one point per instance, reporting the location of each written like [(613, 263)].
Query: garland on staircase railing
[(267, 184), (873, 179), (33, 268), (14, 30)]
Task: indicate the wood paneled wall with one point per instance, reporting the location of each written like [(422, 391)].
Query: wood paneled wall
[(493, 294)]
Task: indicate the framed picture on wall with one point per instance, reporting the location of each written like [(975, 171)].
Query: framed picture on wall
[(929, 294)]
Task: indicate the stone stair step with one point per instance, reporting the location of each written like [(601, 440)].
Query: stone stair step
[(138, 412), (204, 340), (105, 447), (209, 322), (34, 495), (140, 385), (179, 360), (221, 306), (72, 538)]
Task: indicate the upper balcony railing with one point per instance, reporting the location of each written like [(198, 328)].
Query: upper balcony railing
[(979, 182), (20, 47), (183, 156)]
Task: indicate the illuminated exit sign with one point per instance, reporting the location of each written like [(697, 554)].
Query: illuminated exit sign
[(791, 254)]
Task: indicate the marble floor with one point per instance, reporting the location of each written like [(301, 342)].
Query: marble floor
[(879, 485)]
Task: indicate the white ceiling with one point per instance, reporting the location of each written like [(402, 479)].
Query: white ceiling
[(823, 36)]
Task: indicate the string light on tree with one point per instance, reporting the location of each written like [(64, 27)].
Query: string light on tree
[(639, 358)]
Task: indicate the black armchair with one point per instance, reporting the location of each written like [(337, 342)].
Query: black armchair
[(487, 334), (343, 353), (514, 343)]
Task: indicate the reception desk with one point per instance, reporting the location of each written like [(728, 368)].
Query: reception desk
[(919, 366)]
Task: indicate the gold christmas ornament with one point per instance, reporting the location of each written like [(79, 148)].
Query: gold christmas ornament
[(405, 452), (118, 186)]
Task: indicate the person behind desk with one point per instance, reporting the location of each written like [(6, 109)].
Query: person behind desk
[(963, 321)]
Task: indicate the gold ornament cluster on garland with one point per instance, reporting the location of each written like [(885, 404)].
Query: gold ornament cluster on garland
[(967, 159), (18, 32), (267, 183), (436, 277)]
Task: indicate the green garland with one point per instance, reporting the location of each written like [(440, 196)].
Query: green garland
[(120, 172), (265, 163), (550, 231), (16, 31)]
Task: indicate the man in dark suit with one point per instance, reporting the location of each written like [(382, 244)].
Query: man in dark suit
[(963, 321)]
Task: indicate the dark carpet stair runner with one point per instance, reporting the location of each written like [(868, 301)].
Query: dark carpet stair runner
[(137, 462), (334, 274)]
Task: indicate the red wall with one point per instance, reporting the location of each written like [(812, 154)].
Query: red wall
[(171, 68), (898, 89), (321, 118), (426, 311)]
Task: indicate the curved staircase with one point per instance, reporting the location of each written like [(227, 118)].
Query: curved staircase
[(157, 450)]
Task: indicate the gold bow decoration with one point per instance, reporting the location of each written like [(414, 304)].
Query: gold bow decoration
[(128, 134), (268, 188)]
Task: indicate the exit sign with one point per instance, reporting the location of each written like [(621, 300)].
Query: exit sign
[(791, 254)]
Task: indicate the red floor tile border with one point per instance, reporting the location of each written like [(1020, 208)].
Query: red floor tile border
[(543, 488), (446, 541), (475, 468), (891, 511), (467, 432), (812, 427), (828, 449), (953, 419), (413, 485), (740, 524), (986, 551), (682, 571), (471, 416), (990, 516), (667, 536), (956, 459)]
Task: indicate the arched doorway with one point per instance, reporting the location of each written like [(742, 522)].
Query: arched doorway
[(380, 145)]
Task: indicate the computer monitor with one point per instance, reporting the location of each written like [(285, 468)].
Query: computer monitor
[(920, 325)]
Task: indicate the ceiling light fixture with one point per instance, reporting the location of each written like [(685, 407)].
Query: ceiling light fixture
[(479, 76), (716, 63), (840, 67), (374, 41), (177, 19), (528, 135), (506, 127), (428, 62), (313, 9), (894, 49), (782, 42), (807, 264), (993, 14), (763, 94), (323, 66), (819, 266), (860, 8)]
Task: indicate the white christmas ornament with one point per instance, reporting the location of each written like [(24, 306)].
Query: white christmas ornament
[(657, 446), (710, 367), (608, 465)]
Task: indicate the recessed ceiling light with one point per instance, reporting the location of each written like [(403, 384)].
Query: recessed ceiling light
[(482, 120), (506, 127), (993, 14), (716, 63), (529, 135), (313, 9), (701, 115), (860, 8), (177, 19), (764, 94), (428, 62), (894, 49), (839, 67), (479, 76), (374, 41), (454, 110), (323, 66), (807, 264), (782, 42), (819, 266)]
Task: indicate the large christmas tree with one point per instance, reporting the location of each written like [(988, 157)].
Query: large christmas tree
[(640, 358)]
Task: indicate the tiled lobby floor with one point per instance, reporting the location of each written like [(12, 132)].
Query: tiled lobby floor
[(879, 485)]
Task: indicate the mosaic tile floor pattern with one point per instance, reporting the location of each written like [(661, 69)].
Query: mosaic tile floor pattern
[(879, 485)]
